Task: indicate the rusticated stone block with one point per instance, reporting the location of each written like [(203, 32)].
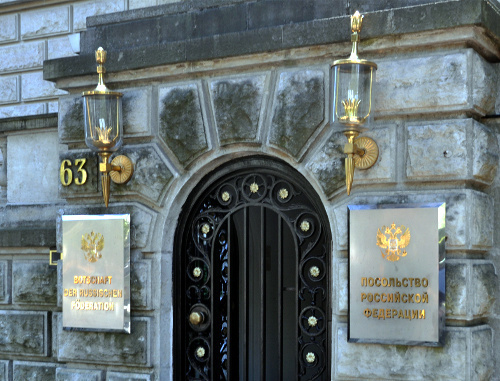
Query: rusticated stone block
[(22, 56), (93, 8), (136, 112), (460, 81), (141, 220), (482, 358), (19, 227), (33, 237), (457, 275), (22, 110), (53, 107), (4, 370), (39, 371), (151, 176), (484, 283), (406, 90), (23, 333), (220, 20), (4, 283), (140, 284), (451, 362), (72, 374), (264, 15), (328, 163), (181, 124), (469, 216), (441, 151), (21, 216), (106, 347), (48, 21), (136, 4), (237, 105), (9, 90), (89, 172), (341, 287), (115, 376), (34, 282), (485, 153), (470, 289), (299, 109), (71, 119), (483, 83), (59, 47), (8, 28), (44, 147), (437, 150), (34, 87), (480, 221)]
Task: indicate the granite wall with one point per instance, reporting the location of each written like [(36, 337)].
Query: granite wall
[(259, 86)]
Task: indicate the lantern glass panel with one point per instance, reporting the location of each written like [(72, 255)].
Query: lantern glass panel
[(351, 95), (103, 122)]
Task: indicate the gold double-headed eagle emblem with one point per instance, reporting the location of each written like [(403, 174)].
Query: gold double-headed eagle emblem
[(393, 240), (92, 245)]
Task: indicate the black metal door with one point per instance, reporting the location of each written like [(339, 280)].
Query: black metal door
[(252, 278)]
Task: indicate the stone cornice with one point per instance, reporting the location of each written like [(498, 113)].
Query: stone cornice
[(152, 41), (28, 123)]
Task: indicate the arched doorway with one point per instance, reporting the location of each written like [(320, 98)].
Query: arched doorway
[(252, 277)]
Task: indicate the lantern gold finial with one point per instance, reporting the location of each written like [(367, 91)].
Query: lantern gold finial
[(100, 57), (356, 22)]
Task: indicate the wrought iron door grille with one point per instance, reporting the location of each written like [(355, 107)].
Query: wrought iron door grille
[(253, 300)]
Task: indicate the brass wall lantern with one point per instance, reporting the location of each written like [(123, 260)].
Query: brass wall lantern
[(104, 130), (351, 82)]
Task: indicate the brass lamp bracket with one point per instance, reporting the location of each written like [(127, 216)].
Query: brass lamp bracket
[(361, 153), (120, 170)]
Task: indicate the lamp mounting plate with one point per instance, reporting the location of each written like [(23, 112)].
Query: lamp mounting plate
[(125, 173), (369, 158)]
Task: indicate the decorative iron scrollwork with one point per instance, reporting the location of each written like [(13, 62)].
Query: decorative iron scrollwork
[(206, 279)]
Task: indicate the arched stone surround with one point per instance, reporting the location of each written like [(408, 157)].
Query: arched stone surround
[(181, 198)]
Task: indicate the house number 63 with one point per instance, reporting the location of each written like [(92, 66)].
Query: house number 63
[(66, 173)]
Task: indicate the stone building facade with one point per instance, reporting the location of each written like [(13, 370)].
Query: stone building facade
[(208, 83)]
